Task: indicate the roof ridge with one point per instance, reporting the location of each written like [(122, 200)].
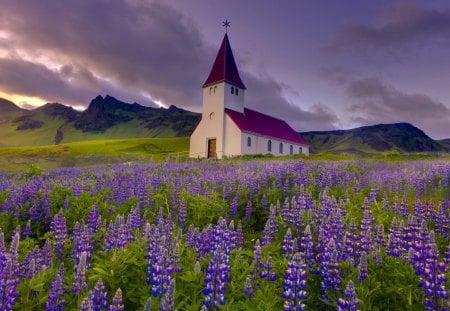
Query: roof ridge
[(224, 67)]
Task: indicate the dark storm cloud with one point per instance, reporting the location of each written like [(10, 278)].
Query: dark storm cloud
[(378, 102), (125, 48), (143, 46), (24, 77), (399, 24), (265, 95)]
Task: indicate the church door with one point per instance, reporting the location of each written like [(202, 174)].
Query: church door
[(212, 148)]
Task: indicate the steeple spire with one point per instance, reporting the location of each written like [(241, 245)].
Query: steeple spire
[(224, 68)]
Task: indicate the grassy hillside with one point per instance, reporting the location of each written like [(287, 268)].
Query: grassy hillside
[(106, 118), (399, 137), (91, 152)]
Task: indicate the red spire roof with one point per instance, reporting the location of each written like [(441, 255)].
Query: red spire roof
[(259, 123), (224, 68)]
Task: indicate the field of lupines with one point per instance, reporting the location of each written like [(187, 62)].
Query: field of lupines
[(272, 235)]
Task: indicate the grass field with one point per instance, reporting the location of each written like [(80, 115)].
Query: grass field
[(109, 151), (91, 152)]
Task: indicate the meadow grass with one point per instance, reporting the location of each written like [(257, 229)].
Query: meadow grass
[(91, 152), (109, 151)]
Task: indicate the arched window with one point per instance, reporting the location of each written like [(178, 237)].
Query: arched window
[(291, 149), (269, 146), (237, 91), (299, 149), (249, 141), (232, 90), (210, 90), (215, 89), (281, 147)]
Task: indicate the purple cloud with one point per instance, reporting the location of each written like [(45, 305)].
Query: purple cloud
[(378, 102), (399, 24)]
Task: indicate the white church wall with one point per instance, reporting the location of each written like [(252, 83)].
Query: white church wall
[(232, 138), (232, 100), (197, 142), (259, 145)]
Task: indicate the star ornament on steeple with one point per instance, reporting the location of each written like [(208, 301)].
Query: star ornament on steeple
[(226, 24)]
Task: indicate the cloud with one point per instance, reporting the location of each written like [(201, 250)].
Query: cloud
[(70, 85), (266, 95), (143, 46), (378, 102), (399, 24), (133, 50), (36, 80)]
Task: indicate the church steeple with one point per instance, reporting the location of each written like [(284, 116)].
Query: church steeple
[(224, 68)]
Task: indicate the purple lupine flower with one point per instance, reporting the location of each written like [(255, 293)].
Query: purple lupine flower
[(79, 282), (271, 227), (288, 244), (134, 219), (379, 238), (66, 203), (264, 203), (168, 301), (351, 302), (182, 214), (351, 243), (116, 304), (257, 262), (83, 241), (59, 230), (98, 296), (306, 247), (378, 257), (94, 219), (329, 269), (239, 235), (266, 271), (433, 277), (294, 284), (362, 268), (9, 273), (217, 275), (118, 234), (234, 207), (248, 288), (248, 210), (86, 304), (55, 302), (27, 229)]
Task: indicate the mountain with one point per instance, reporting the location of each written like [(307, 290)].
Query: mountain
[(106, 117), (7, 106), (401, 137), (445, 142)]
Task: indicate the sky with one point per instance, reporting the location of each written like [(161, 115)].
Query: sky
[(319, 65)]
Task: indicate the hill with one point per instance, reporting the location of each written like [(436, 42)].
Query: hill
[(401, 137), (105, 118)]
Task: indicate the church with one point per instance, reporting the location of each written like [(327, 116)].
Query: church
[(229, 129)]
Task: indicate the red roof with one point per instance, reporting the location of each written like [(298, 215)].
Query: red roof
[(259, 123), (224, 68)]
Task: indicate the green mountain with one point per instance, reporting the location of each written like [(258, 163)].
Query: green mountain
[(401, 137), (105, 118)]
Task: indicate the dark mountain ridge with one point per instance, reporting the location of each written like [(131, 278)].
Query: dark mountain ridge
[(401, 137), (105, 117)]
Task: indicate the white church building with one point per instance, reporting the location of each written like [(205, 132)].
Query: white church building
[(229, 129)]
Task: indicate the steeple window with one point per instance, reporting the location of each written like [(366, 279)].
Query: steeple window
[(232, 90)]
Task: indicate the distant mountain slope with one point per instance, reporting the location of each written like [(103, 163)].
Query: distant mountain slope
[(105, 118), (402, 137), (8, 106), (445, 142)]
